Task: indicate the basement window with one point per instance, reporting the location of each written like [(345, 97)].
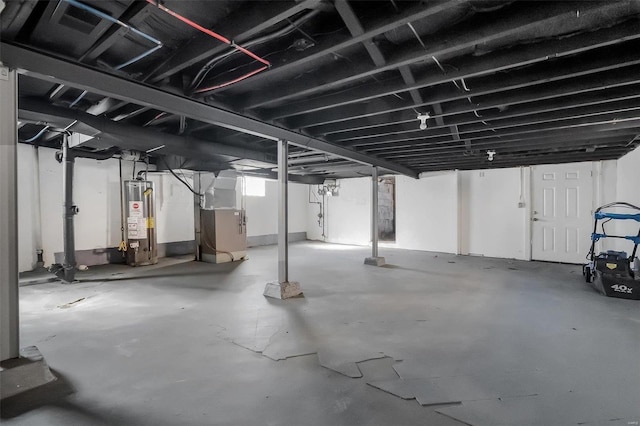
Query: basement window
[(254, 187)]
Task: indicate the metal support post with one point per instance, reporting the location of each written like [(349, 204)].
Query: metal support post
[(283, 211), (374, 260), (197, 202), (69, 211), (9, 341), (283, 289), (30, 370), (374, 212)]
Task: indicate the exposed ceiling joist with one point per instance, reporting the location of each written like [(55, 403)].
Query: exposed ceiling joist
[(543, 74), (331, 45), (536, 81), (128, 136), (52, 69), (517, 160), (537, 17), (591, 113), (596, 87), (244, 24), (600, 138), (421, 149), (133, 16), (497, 114), (471, 67)]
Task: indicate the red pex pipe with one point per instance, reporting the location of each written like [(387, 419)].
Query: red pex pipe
[(210, 33)]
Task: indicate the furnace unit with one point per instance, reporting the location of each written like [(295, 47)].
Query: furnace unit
[(223, 235), (142, 248)]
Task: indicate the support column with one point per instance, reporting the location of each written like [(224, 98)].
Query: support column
[(374, 260), (70, 210), (9, 343), (283, 211), (26, 369), (283, 289), (197, 201)]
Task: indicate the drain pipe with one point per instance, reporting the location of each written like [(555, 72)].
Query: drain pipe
[(67, 158), (69, 211), (38, 211)]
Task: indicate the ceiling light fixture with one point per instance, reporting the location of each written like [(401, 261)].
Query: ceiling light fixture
[(423, 120), (491, 153)]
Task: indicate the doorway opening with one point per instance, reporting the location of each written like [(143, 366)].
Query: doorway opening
[(387, 209)]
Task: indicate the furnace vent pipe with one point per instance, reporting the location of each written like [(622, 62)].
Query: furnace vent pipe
[(69, 211)]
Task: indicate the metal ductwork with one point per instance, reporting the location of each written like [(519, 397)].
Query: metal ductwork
[(101, 155)]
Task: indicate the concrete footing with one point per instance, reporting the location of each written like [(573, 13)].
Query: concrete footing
[(374, 261), (284, 290), (27, 372)]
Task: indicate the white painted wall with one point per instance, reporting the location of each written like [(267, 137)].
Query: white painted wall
[(495, 225), (467, 212), (262, 212), (347, 216), (451, 212), (174, 208), (28, 207), (426, 212), (628, 189), (97, 195)]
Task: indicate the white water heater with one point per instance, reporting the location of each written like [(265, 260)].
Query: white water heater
[(139, 204)]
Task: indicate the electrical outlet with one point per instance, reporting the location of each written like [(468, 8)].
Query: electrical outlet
[(521, 205)]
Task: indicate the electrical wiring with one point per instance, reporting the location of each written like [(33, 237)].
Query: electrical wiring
[(159, 115), (246, 65), (221, 38), (202, 73), (207, 31), (230, 82), (184, 182), (82, 95), (37, 135)]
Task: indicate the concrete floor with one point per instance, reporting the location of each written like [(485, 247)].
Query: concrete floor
[(430, 339)]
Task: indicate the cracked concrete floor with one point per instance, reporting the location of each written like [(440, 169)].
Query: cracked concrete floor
[(431, 339)]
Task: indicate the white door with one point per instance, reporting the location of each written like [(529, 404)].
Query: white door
[(561, 212)]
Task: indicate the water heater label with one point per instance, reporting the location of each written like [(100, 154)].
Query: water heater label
[(136, 208), (136, 228)]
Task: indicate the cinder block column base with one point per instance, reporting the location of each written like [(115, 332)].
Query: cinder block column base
[(374, 261), (28, 372), (285, 290)]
